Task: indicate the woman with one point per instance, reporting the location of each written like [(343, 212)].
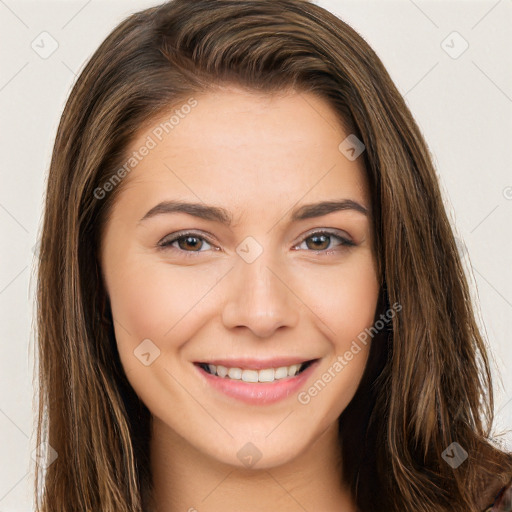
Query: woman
[(248, 281)]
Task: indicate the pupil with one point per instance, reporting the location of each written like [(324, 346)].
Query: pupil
[(317, 237), (188, 238)]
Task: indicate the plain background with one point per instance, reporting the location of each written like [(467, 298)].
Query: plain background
[(462, 101)]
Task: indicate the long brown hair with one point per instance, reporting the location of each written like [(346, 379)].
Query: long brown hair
[(427, 383)]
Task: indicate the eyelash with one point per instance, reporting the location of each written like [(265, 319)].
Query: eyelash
[(166, 244)]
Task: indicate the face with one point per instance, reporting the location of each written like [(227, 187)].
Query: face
[(251, 280)]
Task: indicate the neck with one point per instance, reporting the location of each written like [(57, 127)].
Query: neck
[(185, 479)]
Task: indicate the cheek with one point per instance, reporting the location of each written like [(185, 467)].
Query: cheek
[(345, 299), (346, 303), (152, 300), (138, 299)]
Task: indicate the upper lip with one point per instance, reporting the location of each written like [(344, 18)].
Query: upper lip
[(257, 364)]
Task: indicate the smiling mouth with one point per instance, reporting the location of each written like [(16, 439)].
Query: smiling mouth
[(253, 376)]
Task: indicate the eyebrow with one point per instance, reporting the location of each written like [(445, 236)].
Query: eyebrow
[(218, 214)]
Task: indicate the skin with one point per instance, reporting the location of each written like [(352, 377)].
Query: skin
[(258, 156)]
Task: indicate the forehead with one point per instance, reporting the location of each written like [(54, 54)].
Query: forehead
[(245, 149)]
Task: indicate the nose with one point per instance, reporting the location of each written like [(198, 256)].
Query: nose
[(260, 297)]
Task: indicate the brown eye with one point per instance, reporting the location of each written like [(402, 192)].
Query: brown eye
[(186, 243), (189, 242), (321, 241)]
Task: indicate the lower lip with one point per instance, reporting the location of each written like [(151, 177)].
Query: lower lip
[(258, 393)]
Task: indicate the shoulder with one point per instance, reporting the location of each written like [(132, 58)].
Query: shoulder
[(502, 500)]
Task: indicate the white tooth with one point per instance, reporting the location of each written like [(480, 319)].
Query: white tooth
[(281, 373), (235, 373), (212, 368), (250, 376), (293, 369), (266, 375), (222, 371)]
